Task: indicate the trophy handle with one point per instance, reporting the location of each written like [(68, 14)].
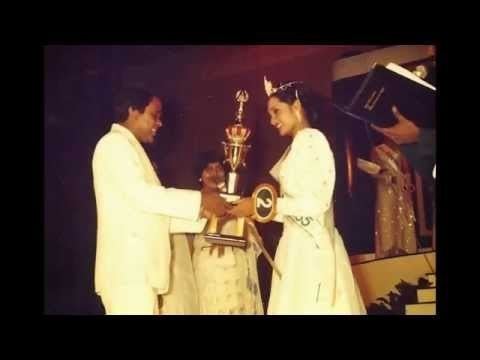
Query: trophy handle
[(240, 229), (212, 224)]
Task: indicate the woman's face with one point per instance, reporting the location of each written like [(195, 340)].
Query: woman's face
[(213, 175), (283, 116)]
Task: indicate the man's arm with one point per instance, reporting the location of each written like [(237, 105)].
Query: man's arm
[(417, 144), (115, 160), (421, 155)]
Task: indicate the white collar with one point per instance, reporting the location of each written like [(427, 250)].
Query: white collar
[(124, 131)]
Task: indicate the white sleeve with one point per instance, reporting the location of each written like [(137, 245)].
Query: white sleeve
[(311, 178), (116, 162)]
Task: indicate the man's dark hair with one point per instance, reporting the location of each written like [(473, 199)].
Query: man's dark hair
[(137, 98)]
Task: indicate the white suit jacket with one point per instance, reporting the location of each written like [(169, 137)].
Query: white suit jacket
[(136, 214)]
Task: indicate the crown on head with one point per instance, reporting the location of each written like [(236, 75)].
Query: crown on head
[(270, 89)]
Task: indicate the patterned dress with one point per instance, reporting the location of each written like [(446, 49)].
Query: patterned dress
[(227, 283)]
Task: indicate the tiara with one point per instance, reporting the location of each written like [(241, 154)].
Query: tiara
[(270, 90)]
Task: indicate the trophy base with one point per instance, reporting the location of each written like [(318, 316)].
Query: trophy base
[(226, 240)]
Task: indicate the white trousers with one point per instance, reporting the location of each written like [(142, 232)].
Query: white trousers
[(130, 299)]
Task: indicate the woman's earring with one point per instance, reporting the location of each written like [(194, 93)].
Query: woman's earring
[(297, 115), (297, 111), (200, 180), (298, 97)]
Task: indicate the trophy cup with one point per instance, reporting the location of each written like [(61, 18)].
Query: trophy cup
[(235, 149)]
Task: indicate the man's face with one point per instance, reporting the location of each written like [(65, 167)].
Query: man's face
[(149, 121)]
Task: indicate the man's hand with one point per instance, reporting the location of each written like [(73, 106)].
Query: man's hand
[(403, 132), (215, 204), (243, 208)]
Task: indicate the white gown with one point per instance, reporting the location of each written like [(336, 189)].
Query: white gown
[(316, 271)]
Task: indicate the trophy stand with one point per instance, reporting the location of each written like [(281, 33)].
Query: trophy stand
[(235, 149)]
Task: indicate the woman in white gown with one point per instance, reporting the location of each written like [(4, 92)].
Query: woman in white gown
[(226, 276), (316, 273)]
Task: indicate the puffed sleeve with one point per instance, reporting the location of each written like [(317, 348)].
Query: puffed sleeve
[(310, 179)]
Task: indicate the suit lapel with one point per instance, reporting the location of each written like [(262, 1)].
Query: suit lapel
[(150, 174)]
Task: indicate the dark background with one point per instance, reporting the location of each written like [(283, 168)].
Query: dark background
[(198, 85)]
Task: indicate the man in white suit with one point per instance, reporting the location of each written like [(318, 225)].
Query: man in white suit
[(135, 213)]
